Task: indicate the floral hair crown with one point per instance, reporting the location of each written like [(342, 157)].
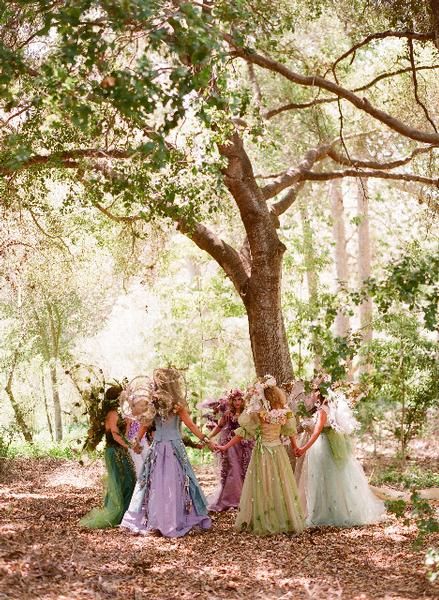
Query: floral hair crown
[(255, 396)]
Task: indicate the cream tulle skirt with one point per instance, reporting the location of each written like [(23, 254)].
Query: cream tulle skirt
[(269, 499)]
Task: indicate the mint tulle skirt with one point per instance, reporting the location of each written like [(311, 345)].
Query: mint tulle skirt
[(333, 487), (269, 500), (121, 479)]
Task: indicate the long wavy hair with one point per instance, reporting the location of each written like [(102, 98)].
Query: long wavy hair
[(168, 394), (275, 396)]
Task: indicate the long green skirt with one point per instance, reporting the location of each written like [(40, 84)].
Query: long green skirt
[(269, 499), (121, 479)]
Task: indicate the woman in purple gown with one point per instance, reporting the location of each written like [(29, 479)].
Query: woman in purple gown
[(234, 463), (167, 499)]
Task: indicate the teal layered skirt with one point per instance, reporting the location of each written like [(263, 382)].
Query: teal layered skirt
[(121, 479)]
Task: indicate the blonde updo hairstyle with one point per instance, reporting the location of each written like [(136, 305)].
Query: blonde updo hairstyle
[(275, 396), (168, 394)]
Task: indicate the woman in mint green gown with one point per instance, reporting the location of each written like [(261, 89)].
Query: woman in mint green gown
[(333, 487), (269, 500), (121, 476)]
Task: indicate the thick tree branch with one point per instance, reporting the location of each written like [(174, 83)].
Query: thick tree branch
[(278, 208), (317, 81), (373, 164), (328, 176), (224, 254), (317, 101), (67, 158), (292, 176)]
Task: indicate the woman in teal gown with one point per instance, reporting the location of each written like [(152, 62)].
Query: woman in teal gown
[(121, 476)]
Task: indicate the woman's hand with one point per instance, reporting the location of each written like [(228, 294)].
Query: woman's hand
[(298, 452), (136, 447)]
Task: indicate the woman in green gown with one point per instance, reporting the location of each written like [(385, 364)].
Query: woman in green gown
[(269, 500), (121, 476)]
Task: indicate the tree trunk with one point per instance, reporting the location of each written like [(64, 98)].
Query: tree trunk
[(46, 406), (364, 264), (256, 270), (309, 256), (56, 401), (19, 417), (268, 337), (342, 323)]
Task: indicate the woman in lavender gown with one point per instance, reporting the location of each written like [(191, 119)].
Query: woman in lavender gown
[(167, 499), (233, 464)]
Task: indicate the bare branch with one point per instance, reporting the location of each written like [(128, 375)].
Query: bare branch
[(320, 82), (415, 84), (317, 101), (278, 208), (371, 164), (409, 35), (327, 176), (293, 175), (224, 254)]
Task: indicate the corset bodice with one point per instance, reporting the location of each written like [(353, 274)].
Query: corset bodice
[(167, 430), (270, 432)]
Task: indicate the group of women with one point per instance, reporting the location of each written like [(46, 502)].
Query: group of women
[(279, 481)]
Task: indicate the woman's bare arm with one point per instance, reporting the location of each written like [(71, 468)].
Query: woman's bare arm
[(111, 425), (321, 422), (185, 417)]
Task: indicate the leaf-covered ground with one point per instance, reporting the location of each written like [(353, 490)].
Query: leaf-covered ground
[(44, 554)]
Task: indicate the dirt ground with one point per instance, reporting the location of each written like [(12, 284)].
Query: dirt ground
[(44, 554)]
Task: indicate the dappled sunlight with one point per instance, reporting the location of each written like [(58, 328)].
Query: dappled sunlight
[(74, 476)]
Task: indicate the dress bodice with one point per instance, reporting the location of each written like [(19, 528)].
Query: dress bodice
[(109, 439), (167, 430), (270, 432)]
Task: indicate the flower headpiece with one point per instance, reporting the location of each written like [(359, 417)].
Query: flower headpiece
[(323, 392), (215, 408), (255, 398)]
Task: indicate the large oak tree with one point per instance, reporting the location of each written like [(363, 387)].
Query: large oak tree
[(152, 109)]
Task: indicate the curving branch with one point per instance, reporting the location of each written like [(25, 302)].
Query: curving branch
[(381, 35), (67, 158), (373, 164), (117, 218), (342, 93), (328, 176), (317, 101), (224, 254), (415, 84)]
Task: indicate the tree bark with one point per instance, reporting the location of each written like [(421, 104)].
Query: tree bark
[(46, 406), (342, 323), (56, 401), (258, 277), (265, 319), (19, 417), (364, 264)]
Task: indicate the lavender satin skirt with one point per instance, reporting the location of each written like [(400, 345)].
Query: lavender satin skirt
[(167, 497)]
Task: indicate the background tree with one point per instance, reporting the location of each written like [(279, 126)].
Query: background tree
[(144, 113)]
